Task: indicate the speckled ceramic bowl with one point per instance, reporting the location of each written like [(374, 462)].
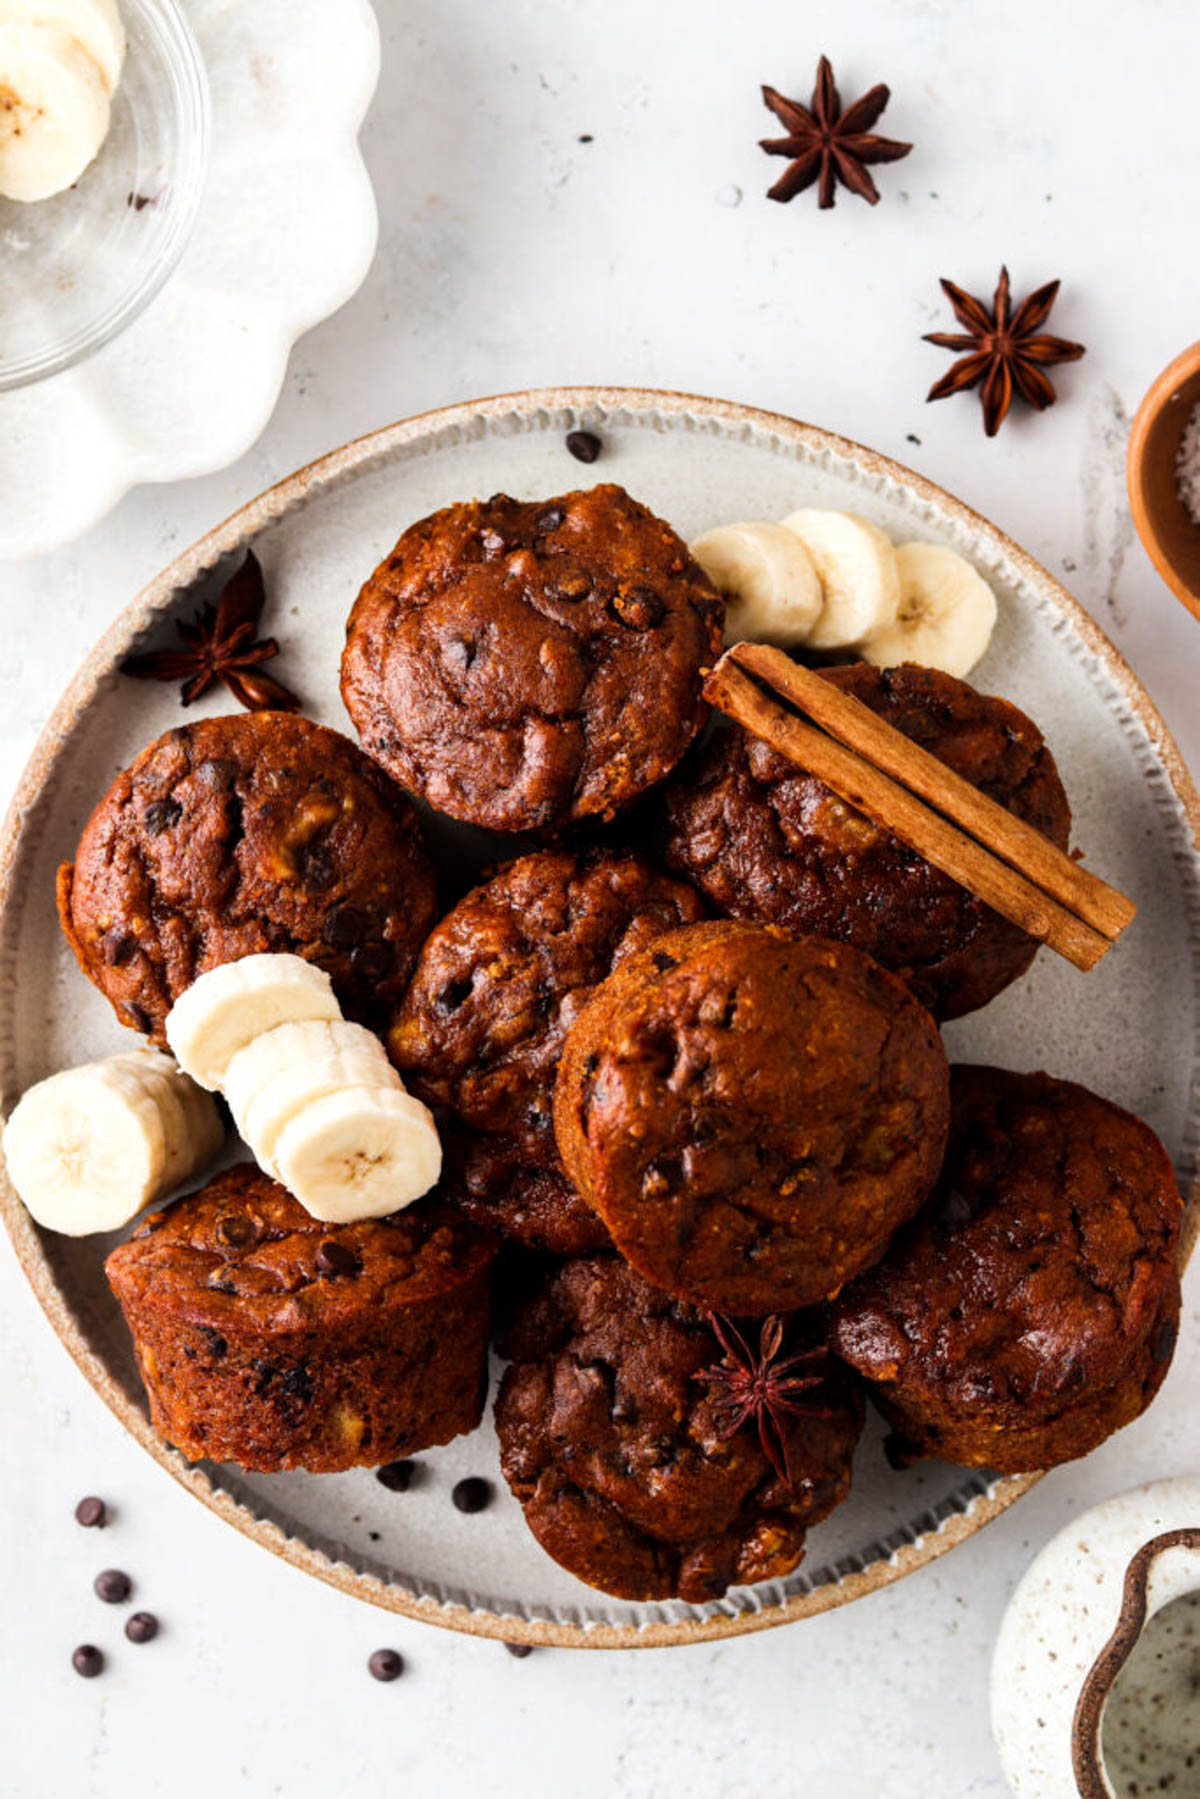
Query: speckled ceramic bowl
[(1128, 1029)]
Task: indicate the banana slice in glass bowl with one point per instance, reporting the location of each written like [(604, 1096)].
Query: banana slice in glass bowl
[(159, 238)]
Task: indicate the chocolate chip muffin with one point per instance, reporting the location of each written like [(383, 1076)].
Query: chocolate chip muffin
[(618, 1438), (751, 1115), (271, 1340), (523, 664), (232, 836), (765, 840), (480, 1032), (1031, 1309)]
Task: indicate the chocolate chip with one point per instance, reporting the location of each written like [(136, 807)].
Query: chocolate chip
[(639, 610), (160, 815), (472, 1494), (266, 1372), (316, 869), (551, 518), (92, 1513), (141, 1627), (334, 1259), (297, 1383), (396, 1476), (113, 1586), (519, 1650), (372, 961), (386, 1664), (138, 1017), (87, 1660), (662, 961), (214, 1341), (217, 773), (345, 927), (1164, 1342), (118, 947), (584, 446), (235, 1230)]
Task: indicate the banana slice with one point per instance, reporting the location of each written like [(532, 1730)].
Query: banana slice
[(286, 1069), (192, 1125), (53, 110), (856, 565), (359, 1153), (95, 26), (88, 1148), (946, 617), (226, 1008), (771, 588)]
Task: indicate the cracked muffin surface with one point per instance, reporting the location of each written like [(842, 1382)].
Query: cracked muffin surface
[(270, 1339), (766, 840), (480, 1032), (752, 1115), (620, 1451), (524, 664), (237, 835), (1031, 1308)]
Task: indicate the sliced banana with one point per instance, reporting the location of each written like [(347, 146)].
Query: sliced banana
[(54, 110), (225, 1009), (359, 1153), (771, 588), (88, 1148), (286, 1069), (95, 26), (856, 566), (946, 617)]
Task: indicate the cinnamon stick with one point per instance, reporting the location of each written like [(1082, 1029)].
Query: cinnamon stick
[(941, 843), (1007, 837)]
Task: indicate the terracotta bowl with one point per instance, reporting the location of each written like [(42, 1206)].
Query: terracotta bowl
[(1171, 536)]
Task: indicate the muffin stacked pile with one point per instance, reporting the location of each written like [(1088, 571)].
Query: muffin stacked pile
[(682, 1056)]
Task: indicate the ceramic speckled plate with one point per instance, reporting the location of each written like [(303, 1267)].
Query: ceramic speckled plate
[(1129, 1029)]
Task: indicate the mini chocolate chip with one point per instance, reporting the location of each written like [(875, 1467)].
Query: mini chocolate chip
[(217, 1346), (334, 1259), (118, 947), (472, 1494), (297, 1383), (316, 869), (551, 518), (141, 1627), (396, 1476), (160, 815), (92, 1513), (584, 446), (235, 1230), (345, 927), (662, 961), (386, 1664), (113, 1586), (87, 1660), (266, 1372), (1164, 1342), (639, 610), (138, 1017), (372, 961), (519, 1650)]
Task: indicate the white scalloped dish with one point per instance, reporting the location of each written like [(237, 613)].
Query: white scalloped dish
[(1129, 1029), (211, 232)]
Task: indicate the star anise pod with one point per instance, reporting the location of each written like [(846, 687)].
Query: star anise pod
[(762, 1388), (828, 144), (1005, 350), (222, 646)]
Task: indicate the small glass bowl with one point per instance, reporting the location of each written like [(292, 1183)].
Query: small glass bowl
[(79, 267)]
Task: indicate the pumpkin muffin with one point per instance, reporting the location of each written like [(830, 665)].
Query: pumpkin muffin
[(522, 664), (480, 1032), (618, 1437), (752, 1115), (763, 839), (233, 836), (1031, 1309), (269, 1339)]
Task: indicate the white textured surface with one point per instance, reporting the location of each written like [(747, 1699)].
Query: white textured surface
[(511, 255), (284, 234)]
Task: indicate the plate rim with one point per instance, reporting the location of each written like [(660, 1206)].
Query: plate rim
[(97, 667)]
